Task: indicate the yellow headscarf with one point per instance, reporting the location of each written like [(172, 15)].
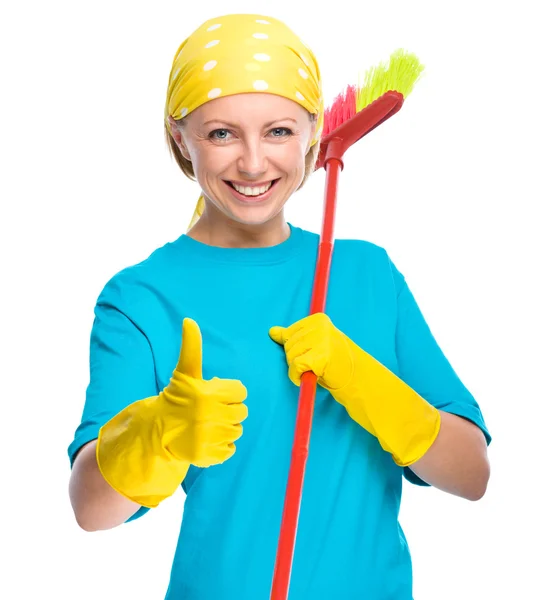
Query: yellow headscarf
[(236, 54)]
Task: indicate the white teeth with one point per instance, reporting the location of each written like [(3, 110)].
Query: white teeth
[(252, 191)]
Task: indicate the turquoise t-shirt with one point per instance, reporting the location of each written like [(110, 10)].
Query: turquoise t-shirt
[(349, 544)]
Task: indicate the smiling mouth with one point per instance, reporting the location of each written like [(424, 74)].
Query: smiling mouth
[(252, 191)]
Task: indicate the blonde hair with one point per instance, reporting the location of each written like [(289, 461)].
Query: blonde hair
[(186, 165)]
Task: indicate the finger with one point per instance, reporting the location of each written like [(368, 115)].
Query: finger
[(297, 344), (303, 363), (283, 334), (190, 358), (223, 453), (227, 391), (219, 455), (276, 334), (215, 455), (230, 414), (237, 413), (226, 433)]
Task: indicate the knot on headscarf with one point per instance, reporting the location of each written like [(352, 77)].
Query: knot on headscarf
[(241, 53)]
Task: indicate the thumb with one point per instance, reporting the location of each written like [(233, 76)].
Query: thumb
[(190, 359), (277, 334)]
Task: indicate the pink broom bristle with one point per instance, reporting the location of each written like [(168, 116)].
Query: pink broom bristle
[(343, 108)]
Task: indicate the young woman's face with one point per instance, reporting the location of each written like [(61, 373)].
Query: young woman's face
[(254, 142)]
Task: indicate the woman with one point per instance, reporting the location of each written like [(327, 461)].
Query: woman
[(197, 352)]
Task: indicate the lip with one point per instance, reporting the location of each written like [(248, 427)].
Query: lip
[(251, 199), (246, 184)]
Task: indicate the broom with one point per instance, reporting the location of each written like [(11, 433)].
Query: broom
[(353, 114)]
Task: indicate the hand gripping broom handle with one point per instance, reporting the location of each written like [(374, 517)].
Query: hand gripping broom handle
[(332, 149)]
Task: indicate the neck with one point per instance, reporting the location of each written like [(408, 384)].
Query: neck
[(228, 233)]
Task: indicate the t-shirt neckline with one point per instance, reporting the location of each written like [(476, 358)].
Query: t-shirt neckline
[(264, 255)]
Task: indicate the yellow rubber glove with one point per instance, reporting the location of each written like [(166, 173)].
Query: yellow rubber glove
[(145, 451), (405, 424)]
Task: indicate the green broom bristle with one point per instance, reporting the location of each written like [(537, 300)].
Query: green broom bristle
[(400, 75)]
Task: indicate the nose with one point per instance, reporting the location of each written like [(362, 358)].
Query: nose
[(252, 161)]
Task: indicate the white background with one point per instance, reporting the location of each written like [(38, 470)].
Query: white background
[(451, 187)]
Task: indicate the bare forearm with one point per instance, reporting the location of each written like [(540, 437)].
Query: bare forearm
[(96, 504), (457, 461)]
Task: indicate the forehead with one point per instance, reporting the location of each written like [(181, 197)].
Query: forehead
[(249, 107)]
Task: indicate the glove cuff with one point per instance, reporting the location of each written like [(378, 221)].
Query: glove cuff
[(131, 459), (405, 424)]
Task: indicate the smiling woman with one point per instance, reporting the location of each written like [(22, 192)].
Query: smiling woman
[(267, 120), (197, 352), (247, 162)]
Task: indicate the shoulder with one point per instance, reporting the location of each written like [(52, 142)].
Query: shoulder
[(361, 249), (134, 283), (347, 245), (364, 257), (373, 258)]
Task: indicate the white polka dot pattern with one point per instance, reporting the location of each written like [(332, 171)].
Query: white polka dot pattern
[(239, 53)]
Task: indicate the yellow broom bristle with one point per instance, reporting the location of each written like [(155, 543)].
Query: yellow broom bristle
[(400, 75)]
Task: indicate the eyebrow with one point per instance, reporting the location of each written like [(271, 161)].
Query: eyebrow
[(237, 125)]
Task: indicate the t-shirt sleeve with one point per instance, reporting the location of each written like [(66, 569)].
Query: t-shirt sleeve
[(425, 368), (121, 372)]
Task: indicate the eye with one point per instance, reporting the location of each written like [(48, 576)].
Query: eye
[(214, 135), (281, 129), (221, 135)]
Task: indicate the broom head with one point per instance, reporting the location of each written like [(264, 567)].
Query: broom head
[(380, 96)]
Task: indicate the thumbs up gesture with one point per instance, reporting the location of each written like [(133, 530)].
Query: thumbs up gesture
[(203, 418), (145, 451)]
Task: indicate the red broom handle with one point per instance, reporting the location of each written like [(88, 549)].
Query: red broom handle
[(333, 147), (308, 386)]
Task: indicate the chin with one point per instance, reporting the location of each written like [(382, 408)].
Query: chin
[(251, 214), (253, 219)]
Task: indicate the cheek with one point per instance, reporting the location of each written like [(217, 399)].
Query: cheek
[(292, 159), (211, 160)]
